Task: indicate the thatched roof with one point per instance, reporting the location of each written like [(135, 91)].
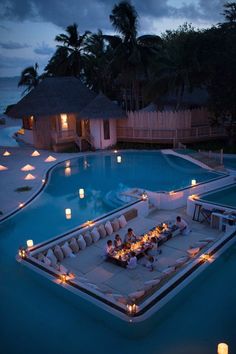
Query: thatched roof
[(54, 96), (103, 108)]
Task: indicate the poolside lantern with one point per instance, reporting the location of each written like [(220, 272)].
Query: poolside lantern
[(63, 278), (222, 348), (144, 196), (118, 159), (68, 163), (50, 159), (29, 176), (67, 171), (68, 213), (193, 182), (81, 193), (28, 168), (21, 205), (6, 153), (115, 151), (35, 153), (3, 168), (29, 243), (131, 309), (22, 252)]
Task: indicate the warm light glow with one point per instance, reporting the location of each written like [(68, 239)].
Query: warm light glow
[(21, 205), (63, 278), (50, 159), (68, 213), (22, 252), (3, 168), (193, 182), (68, 163), (30, 243), (144, 196), (6, 153), (194, 196), (29, 176), (115, 151), (67, 171), (64, 122), (222, 348), (172, 193), (81, 193), (28, 168), (118, 159), (35, 153), (43, 180), (132, 309)]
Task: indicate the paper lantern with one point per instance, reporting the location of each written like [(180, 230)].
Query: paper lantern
[(28, 168), (222, 348), (50, 159), (193, 182), (118, 159), (6, 153), (35, 153), (68, 213), (3, 168), (67, 171), (30, 243), (29, 177)]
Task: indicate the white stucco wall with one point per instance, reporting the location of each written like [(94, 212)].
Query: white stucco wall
[(96, 129)]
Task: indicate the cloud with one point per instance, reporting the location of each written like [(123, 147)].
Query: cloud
[(14, 65), (44, 49), (93, 14), (13, 45)]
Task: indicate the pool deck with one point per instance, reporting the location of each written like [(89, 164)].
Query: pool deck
[(111, 278)]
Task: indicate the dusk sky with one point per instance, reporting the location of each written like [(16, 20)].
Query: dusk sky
[(28, 27)]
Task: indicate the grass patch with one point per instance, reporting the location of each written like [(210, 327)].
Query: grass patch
[(23, 189)]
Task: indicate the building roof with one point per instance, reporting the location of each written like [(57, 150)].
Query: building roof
[(64, 95), (103, 108)]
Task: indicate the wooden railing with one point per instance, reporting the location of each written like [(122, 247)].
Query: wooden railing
[(190, 134), (63, 136)]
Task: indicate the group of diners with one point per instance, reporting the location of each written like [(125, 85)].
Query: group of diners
[(150, 253)]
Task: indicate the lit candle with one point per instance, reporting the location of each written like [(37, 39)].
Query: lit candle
[(118, 159), (68, 213), (222, 348)]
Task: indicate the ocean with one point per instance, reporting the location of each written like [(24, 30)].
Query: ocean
[(10, 93)]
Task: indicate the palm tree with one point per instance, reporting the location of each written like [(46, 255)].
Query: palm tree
[(29, 78), (73, 43), (58, 64), (230, 12), (132, 54)]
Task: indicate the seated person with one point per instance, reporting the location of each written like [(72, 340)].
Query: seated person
[(109, 249), (132, 262), (154, 251), (118, 241), (182, 226), (130, 236), (150, 263)]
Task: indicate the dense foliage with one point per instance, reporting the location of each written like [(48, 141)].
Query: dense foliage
[(136, 70)]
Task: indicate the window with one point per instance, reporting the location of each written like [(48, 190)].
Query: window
[(64, 122), (106, 129), (28, 122)]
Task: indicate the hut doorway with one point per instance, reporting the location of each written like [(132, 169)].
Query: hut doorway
[(83, 128)]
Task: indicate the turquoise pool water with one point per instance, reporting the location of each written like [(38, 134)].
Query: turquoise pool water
[(230, 162), (38, 316), (225, 197)]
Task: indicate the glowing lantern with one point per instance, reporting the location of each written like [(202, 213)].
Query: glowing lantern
[(67, 171), (28, 168), (115, 151), (3, 168), (35, 153), (43, 180), (50, 159), (222, 348), (193, 182), (6, 153), (68, 163), (68, 213), (30, 243), (21, 205), (22, 252), (132, 309), (118, 159), (81, 193), (144, 196), (29, 176), (63, 278)]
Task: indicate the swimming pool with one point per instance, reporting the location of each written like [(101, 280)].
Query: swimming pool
[(6, 138), (225, 197), (41, 316), (230, 162)]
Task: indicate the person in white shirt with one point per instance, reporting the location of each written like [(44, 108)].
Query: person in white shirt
[(182, 226), (118, 242), (130, 236), (132, 262), (109, 248)]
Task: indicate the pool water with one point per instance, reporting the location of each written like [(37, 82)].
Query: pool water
[(230, 162), (39, 316), (225, 197)]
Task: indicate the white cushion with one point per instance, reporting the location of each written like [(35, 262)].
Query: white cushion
[(88, 238), (109, 228), (74, 245), (115, 225), (52, 257), (122, 221), (137, 294), (152, 282), (81, 242), (47, 261), (168, 270), (95, 234), (58, 253), (102, 231), (66, 250)]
